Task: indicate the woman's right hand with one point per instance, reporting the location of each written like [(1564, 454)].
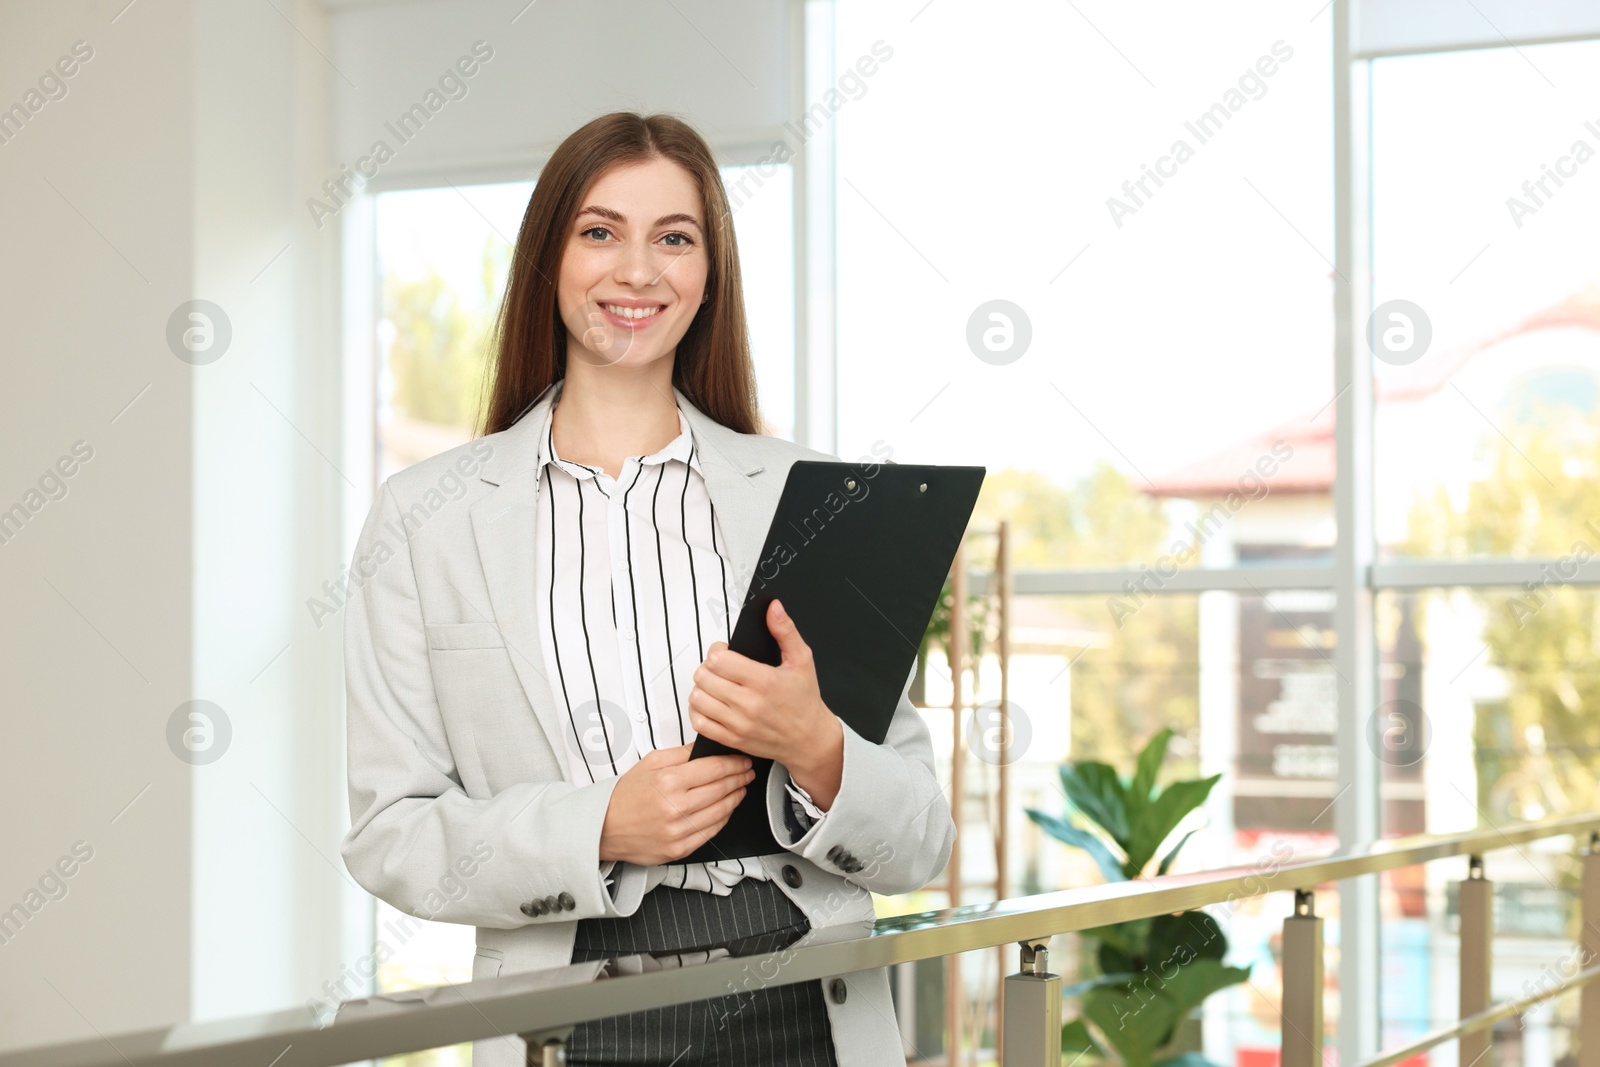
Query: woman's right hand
[(667, 805)]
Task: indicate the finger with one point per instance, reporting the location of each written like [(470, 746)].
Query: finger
[(667, 757), (783, 629), (702, 796), (710, 683), (721, 816), (711, 816), (715, 731), (720, 723), (733, 666), (698, 772)]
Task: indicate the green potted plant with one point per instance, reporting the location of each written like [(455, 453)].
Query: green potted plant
[(1152, 973)]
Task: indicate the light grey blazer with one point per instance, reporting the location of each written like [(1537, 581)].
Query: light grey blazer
[(464, 801)]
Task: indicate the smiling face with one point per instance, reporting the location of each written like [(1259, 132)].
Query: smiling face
[(635, 267)]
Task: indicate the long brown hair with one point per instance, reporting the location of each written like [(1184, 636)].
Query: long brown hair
[(712, 367)]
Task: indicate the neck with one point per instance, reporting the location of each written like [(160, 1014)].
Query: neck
[(606, 414)]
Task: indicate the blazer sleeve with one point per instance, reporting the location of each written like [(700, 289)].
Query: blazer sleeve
[(416, 839), (889, 828)]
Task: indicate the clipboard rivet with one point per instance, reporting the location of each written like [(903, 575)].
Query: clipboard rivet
[(850, 483), (923, 488)]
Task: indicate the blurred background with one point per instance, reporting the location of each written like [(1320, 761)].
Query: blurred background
[(1277, 325)]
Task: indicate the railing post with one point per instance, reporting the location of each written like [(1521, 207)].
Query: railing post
[(1302, 985), (1031, 1033), (547, 1048), (1477, 956), (1589, 940)]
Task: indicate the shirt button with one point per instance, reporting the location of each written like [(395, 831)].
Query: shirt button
[(640, 716)]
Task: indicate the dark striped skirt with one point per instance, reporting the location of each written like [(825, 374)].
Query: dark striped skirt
[(777, 1026)]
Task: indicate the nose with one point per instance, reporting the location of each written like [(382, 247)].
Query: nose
[(635, 266)]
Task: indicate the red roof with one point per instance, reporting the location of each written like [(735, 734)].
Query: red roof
[(1311, 467)]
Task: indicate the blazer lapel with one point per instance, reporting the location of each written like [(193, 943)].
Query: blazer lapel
[(503, 528)]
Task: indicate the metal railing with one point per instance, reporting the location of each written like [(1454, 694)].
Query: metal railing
[(543, 1006)]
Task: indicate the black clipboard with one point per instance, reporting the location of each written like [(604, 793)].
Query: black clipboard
[(858, 553)]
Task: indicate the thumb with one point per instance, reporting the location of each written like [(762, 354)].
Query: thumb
[(790, 643)]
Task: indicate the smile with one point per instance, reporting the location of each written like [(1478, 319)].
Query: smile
[(630, 315)]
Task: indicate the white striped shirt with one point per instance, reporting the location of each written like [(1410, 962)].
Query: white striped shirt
[(635, 584)]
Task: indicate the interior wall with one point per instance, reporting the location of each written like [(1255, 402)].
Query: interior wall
[(212, 494), (724, 65), (96, 183), (1388, 27)]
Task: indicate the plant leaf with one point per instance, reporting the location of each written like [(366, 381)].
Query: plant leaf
[(1075, 1037), (1196, 980), (1166, 861), (1144, 778), (1095, 790), (1128, 935), (1099, 981), (1176, 940), (1115, 959), (1163, 816), (1062, 830), (1134, 1019)]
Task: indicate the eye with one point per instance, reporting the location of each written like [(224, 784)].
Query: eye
[(687, 240), (593, 229)]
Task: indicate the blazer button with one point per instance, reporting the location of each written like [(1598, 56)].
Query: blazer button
[(791, 874), (539, 907), (838, 990), (833, 853), (551, 904), (527, 909), (566, 901)]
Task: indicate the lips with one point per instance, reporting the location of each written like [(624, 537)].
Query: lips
[(631, 317)]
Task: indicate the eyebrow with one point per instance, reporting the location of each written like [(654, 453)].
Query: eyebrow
[(617, 216)]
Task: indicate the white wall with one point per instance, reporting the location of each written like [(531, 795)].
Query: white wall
[(95, 613), (724, 65), (1387, 27), (178, 563)]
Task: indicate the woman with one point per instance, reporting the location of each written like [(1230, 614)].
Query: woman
[(540, 630)]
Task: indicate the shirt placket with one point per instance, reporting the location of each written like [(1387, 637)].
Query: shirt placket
[(628, 635)]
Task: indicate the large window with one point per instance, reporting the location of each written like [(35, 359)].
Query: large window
[(1485, 189), (1110, 277)]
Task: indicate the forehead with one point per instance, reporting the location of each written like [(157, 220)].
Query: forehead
[(645, 191)]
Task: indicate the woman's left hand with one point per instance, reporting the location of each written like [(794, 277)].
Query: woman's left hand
[(772, 712)]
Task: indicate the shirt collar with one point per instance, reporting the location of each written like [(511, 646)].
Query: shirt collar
[(681, 447)]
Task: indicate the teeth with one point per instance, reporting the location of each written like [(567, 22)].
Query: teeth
[(630, 313)]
